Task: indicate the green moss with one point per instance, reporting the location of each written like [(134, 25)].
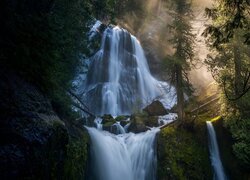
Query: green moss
[(216, 119), (121, 118), (75, 164), (181, 155), (109, 123)]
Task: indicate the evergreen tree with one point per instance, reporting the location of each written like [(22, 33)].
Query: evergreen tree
[(228, 37), (183, 43), (230, 52), (233, 15)]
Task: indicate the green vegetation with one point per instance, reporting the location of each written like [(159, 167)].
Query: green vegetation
[(233, 15), (75, 165), (237, 169), (182, 41), (43, 43), (228, 38), (182, 155)]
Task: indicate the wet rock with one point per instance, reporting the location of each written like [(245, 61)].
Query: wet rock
[(121, 118), (156, 108), (137, 124), (124, 123), (151, 121), (107, 118), (107, 121)]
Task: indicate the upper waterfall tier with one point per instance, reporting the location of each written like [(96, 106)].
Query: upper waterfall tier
[(118, 79)]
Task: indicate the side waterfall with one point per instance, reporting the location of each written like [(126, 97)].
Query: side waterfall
[(214, 154), (123, 157)]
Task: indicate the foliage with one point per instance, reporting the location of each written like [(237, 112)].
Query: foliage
[(228, 37), (183, 44), (75, 164), (230, 15), (238, 123), (43, 41), (182, 155), (230, 67)]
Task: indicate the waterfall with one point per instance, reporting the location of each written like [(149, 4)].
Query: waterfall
[(214, 154), (118, 80), (125, 157), (119, 129), (98, 123), (117, 83)]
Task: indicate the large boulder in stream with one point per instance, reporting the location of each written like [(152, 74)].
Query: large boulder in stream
[(151, 121), (137, 123), (107, 122), (156, 108)]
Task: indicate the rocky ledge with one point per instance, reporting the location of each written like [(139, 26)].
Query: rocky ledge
[(34, 141)]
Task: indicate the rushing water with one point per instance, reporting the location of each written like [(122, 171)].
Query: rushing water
[(123, 157), (214, 154), (119, 80)]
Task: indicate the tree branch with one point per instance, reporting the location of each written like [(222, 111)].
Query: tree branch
[(84, 108)]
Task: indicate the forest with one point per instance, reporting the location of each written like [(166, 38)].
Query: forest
[(125, 89)]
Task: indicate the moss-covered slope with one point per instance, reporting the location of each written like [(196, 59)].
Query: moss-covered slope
[(183, 154)]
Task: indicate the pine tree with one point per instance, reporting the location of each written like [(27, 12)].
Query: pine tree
[(183, 43), (231, 15), (227, 37)]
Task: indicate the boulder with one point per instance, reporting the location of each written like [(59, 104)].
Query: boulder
[(156, 108), (137, 124), (107, 118), (121, 118), (107, 121), (124, 123), (151, 121)]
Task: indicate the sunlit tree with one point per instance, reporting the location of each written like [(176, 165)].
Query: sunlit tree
[(183, 44)]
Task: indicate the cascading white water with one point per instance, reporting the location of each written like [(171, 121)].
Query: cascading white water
[(214, 154), (119, 79), (119, 128), (123, 157), (98, 123)]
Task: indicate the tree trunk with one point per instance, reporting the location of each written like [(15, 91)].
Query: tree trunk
[(179, 91)]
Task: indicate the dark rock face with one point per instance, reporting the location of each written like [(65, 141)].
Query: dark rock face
[(155, 109), (32, 137)]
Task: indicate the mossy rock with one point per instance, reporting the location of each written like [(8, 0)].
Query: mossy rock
[(138, 123), (106, 118), (156, 108), (181, 155), (121, 118), (124, 123), (151, 121)]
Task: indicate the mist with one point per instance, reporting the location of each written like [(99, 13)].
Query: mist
[(150, 26)]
